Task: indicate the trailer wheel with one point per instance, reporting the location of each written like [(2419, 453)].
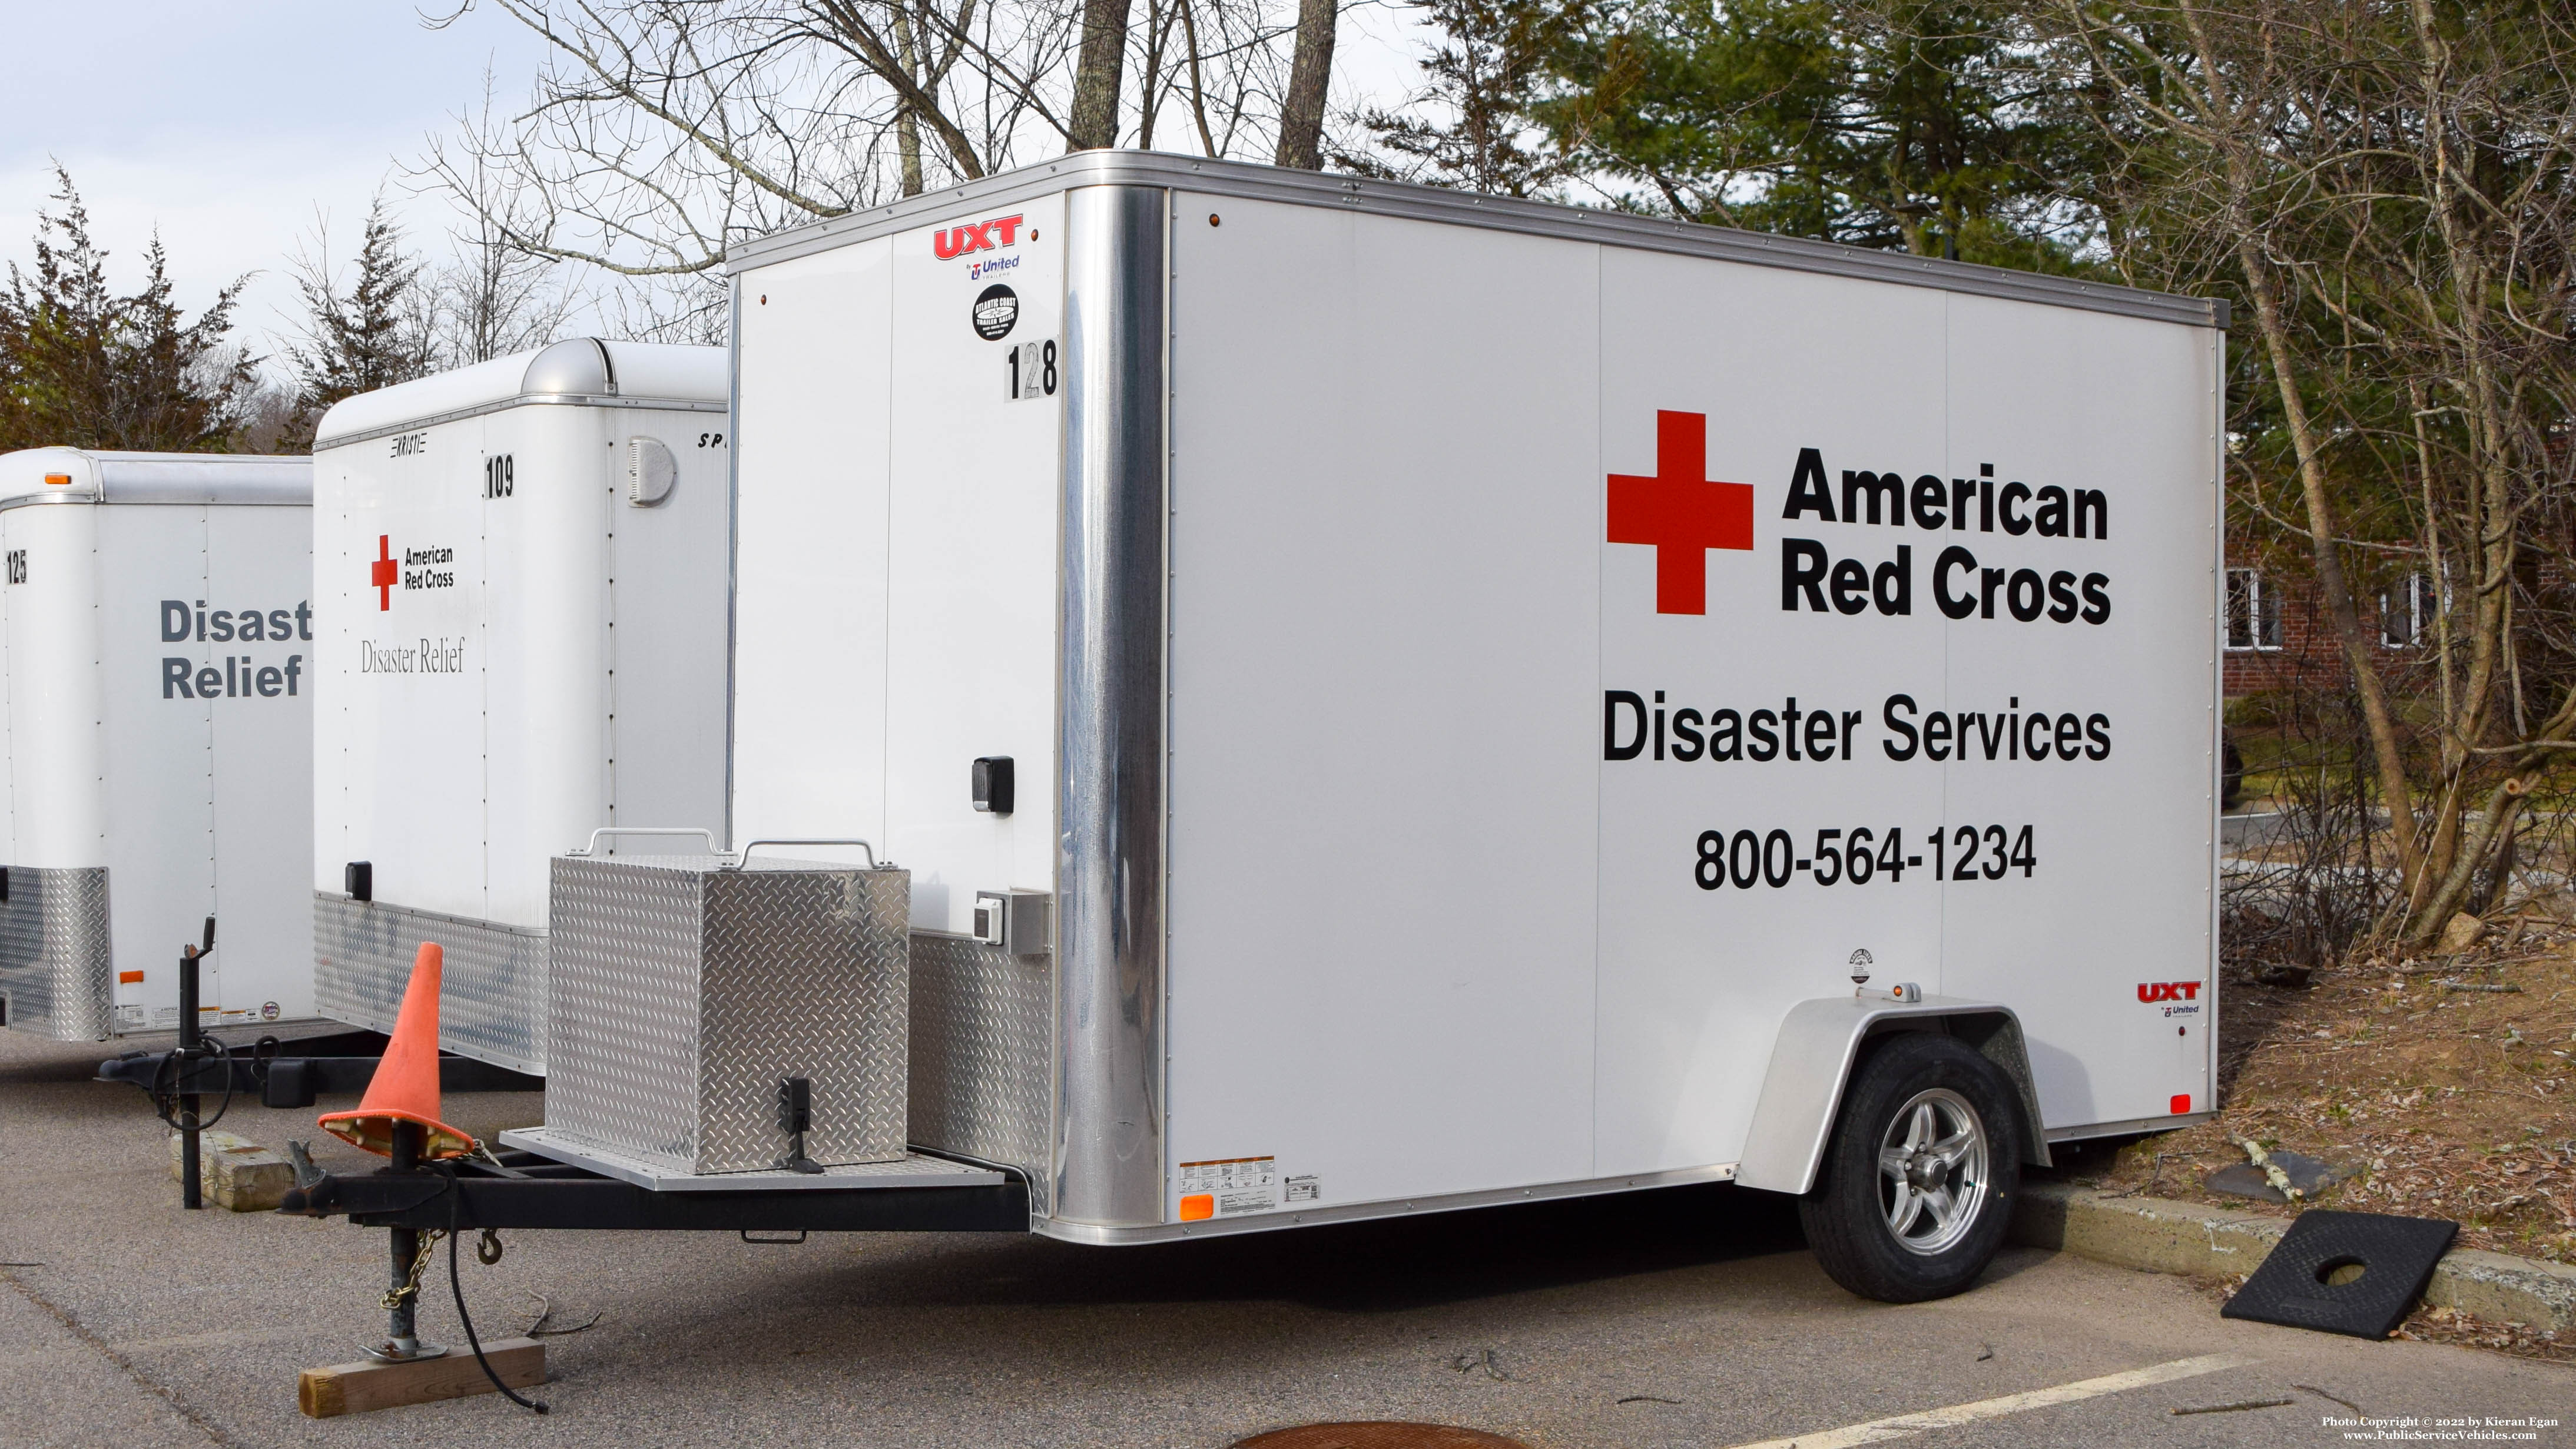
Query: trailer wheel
[(1918, 1182)]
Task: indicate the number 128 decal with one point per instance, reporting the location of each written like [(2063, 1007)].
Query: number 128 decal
[(1032, 371), (1860, 855)]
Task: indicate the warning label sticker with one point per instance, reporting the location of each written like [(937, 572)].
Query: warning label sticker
[(1224, 1188)]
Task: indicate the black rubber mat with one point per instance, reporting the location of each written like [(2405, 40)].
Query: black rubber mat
[(2395, 1256)]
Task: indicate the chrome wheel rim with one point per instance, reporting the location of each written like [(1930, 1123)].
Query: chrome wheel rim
[(1932, 1172)]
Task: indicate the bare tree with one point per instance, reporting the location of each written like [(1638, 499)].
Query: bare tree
[(661, 130), (494, 298), (1095, 76), (1301, 120), (2391, 188)]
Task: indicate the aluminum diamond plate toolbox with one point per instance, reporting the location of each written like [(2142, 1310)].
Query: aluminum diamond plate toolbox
[(55, 967), (683, 991)]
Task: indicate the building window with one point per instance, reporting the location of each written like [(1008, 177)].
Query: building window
[(2404, 611), (2253, 612)]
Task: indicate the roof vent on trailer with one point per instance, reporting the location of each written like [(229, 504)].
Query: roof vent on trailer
[(650, 472), (576, 367)]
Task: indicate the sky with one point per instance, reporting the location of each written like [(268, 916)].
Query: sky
[(234, 129)]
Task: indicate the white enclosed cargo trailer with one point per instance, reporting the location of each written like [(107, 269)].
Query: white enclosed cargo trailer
[(156, 653), (1392, 700), (522, 565)]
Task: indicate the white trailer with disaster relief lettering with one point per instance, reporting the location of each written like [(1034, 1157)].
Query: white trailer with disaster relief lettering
[(522, 566), (1388, 701), (156, 656)]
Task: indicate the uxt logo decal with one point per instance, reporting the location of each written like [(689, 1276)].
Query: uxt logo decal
[(974, 236), (2152, 991), (1681, 513)]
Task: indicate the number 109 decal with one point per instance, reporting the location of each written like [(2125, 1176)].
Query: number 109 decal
[(1032, 371), (1860, 855)]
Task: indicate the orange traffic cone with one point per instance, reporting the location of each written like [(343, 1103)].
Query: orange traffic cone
[(405, 1086)]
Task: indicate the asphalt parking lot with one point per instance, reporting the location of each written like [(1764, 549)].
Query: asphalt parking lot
[(1683, 1317)]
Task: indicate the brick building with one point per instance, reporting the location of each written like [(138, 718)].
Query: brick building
[(2278, 634)]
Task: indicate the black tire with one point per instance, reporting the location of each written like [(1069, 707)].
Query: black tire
[(1925, 1077)]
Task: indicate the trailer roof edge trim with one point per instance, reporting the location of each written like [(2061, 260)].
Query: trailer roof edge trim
[(27, 477), (577, 372), (1496, 213)]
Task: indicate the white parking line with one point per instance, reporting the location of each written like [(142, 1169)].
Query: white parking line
[(1878, 1430)]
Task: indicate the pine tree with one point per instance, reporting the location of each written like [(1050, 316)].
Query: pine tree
[(83, 367), (1899, 124), (1471, 125), (373, 336)]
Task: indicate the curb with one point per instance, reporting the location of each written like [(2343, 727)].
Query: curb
[(2159, 1236)]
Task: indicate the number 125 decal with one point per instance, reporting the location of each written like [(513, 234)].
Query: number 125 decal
[(1861, 855)]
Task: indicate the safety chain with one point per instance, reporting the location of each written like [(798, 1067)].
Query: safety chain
[(397, 1297)]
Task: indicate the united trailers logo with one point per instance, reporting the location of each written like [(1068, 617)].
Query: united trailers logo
[(2180, 998)]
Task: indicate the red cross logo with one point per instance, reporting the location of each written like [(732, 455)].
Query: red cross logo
[(383, 574), (1681, 512)]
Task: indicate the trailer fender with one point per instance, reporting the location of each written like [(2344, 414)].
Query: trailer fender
[(1812, 1059)]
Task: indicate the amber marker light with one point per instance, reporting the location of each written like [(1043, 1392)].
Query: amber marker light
[(59, 480)]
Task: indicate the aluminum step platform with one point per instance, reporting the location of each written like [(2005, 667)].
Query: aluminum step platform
[(912, 1170)]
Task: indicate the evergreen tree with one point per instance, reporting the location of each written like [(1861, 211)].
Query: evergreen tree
[(1901, 124), (83, 367), (373, 336), (1472, 125)]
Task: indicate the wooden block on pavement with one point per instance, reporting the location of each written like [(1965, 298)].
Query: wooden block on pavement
[(236, 1172), (355, 1388)]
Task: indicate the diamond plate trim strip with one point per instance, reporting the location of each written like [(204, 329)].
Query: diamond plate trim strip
[(683, 994), (492, 985), (983, 1034), (56, 966)]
